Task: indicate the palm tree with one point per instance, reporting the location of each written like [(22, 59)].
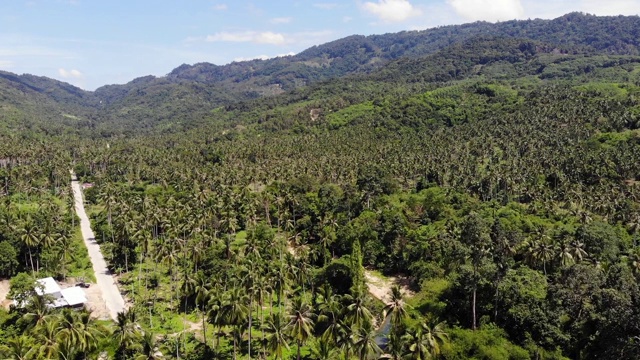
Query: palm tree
[(126, 332), (539, 251), (88, 332), (330, 313), (364, 342), (323, 349), (395, 308), (200, 285), (578, 251), (214, 314), (425, 342), (357, 313), (234, 311), (30, 237), (19, 348), (38, 311), (150, 348), (565, 254), (47, 337), (277, 338), (393, 347), (300, 322), (67, 351)]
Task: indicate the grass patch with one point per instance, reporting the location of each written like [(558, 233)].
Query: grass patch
[(80, 265)]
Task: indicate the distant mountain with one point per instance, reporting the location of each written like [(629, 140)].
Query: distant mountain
[(188, 94)]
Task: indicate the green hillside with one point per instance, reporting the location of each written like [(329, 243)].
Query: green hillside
[(251, 210)]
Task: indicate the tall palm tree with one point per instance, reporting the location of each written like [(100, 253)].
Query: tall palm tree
[(47, 336), (357, 313), (323, 349), (30, 237), (19, 348), (396, 308), (425, 342), (578, 250), (38, 311), (126, 332), (331, 310), (364, 342), (234, 311), (150, 350), (277, 336), (300, 322)]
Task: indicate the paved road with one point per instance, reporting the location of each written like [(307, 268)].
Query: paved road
[(107, 284)]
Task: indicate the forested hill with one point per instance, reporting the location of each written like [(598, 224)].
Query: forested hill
[(493, 169), (186, 96)]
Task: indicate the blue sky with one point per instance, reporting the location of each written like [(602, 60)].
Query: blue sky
[(90, 43)]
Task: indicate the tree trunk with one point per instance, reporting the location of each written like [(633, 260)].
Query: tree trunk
[(250, 320), (473, 308), (204, 324)]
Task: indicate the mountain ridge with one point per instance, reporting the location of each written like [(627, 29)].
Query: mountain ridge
[(190, 92)]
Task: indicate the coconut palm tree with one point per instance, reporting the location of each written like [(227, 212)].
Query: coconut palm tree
[(126, 333), (323, 349), (364, 342), (19, 348), (357, 314), (150, 349), (38, 311), (47, 336), (425, 342), (234, 311), (277, 335), (301, 322), (30, 237), (396, 308)]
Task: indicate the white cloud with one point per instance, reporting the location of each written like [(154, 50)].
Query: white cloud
[(488, 10), (220, 7), (392, 10), (266, 37), (67, 74), (269, 38), (347, 19), (281, 20), (610, 7), (325, 6)]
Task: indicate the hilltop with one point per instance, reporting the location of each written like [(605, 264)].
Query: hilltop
[(186, 96)]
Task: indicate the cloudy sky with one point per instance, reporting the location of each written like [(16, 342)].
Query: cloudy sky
[(90, 43)]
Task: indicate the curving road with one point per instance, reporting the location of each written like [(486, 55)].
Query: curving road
[(107, 284)]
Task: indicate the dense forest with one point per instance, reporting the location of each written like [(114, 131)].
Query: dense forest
[(487, 173)]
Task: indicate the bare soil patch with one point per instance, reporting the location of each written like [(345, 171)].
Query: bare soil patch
[(95, 303), (4, 291), (380, 287)]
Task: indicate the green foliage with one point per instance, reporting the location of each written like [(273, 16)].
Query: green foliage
[(358, 112), (494, 165), (8, 259), (22, 287), (485, 343)]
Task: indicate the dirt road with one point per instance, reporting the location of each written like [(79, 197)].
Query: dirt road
[(107, 284)]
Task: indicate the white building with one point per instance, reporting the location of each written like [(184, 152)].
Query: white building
[(72, 297)]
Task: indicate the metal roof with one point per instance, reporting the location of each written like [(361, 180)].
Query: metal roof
[(74, 296), (49, 286)]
